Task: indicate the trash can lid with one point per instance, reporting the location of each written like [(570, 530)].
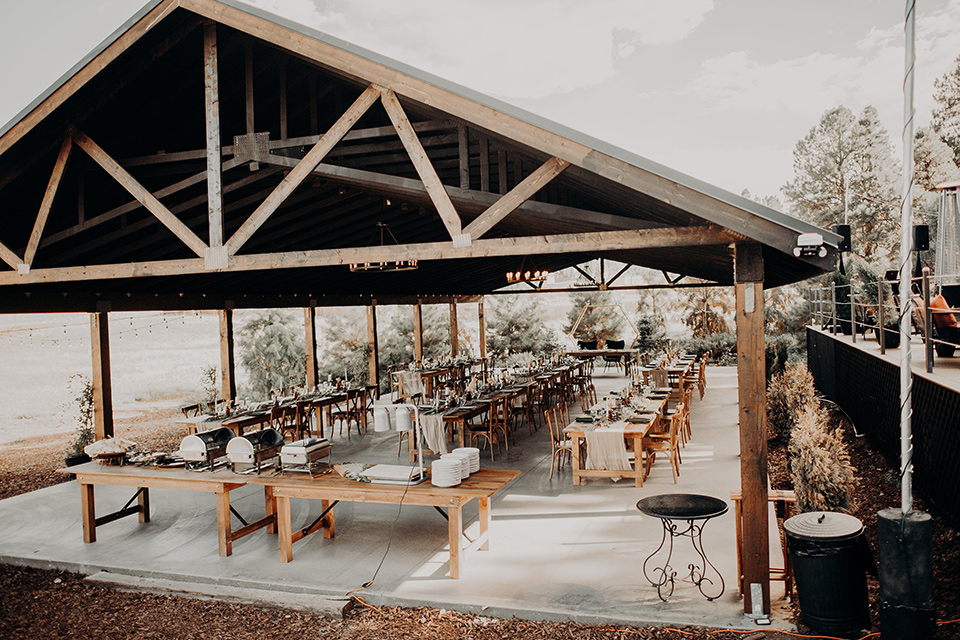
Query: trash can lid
[(820, 525)]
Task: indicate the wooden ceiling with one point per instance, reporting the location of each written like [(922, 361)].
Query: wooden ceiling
[(151, 178)]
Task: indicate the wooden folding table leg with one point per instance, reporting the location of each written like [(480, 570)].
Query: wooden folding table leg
[(455, 529), (144, 502), (484, 518), (284, 529), (223, 522), (270, 506), (328, 524), (576, 462), (89, 513)]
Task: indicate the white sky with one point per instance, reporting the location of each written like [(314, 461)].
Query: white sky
[(719, 89)]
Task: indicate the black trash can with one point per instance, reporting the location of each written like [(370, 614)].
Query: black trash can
[(830, 560)]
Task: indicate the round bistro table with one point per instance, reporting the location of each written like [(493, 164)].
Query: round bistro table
[(696, 510)]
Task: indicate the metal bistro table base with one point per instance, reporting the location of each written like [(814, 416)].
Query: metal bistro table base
[(696, 510)]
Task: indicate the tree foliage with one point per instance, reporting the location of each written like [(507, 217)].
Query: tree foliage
[(516, 326), (273, 352), (946, 115), (396, 344), (601, 320), (345, 347), (707, 310), (848, 159)]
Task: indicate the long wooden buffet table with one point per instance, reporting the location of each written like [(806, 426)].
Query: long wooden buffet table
[(278, 490), (220, 483), (332, 488)]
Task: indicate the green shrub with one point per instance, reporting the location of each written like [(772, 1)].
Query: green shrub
[(788, 394), (823, 478), (83, 405), (722, 348)]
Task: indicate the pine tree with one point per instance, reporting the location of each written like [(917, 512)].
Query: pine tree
[(946, 116)]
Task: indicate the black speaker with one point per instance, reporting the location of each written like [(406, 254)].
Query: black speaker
[(921, 237), (842, 230)]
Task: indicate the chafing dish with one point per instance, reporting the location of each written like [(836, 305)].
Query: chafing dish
[(203, 450), (254, 451), (304, 455)]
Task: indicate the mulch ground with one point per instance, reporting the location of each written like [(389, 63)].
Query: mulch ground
[(40, 604)]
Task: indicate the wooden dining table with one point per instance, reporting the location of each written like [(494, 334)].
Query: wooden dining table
[(634, 427)]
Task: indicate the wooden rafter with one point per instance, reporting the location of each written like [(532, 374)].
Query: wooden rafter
[(509, 202), (466, 200), (138, 191), (422, 163), (303, 168), (484, 248), (58, 168), (9, 256), (211, 85)]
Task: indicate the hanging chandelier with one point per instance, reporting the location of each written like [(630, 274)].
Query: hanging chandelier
[(385, 265), (527, 274)]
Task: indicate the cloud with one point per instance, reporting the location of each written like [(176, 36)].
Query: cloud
[(511, 49)]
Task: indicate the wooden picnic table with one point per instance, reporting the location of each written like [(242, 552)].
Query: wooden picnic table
[(331, 489)]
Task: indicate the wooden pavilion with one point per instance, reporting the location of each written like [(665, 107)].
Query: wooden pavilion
[(209, 155)]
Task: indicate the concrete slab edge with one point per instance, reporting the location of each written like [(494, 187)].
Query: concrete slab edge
[(207, 591)]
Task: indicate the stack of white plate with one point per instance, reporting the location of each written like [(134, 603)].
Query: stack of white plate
[(445, 473), (461, 458), (474, 454)]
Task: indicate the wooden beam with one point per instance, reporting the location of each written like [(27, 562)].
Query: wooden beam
[(102, 385), (467, 201), (139, 192), (249, 113), (310, 335), (454, 331), (282, 79), (751, 384), (509, 202), (431, 181), (530, 245), (52, 186), (228, 366), (417, 333), (8, 256), (211, 101), (484, 164), (312, 101), (303, 168), (483, 330), (502, 170), (116, 212), (373, 360), (463, 147)]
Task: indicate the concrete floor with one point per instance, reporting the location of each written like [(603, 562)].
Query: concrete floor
[(557, 551)]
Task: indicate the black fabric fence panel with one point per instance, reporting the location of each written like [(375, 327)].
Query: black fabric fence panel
[(868, 390)]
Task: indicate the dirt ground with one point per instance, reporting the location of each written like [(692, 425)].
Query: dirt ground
[(40, 605)]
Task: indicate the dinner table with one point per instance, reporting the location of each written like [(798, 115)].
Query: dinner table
[(633, 421)]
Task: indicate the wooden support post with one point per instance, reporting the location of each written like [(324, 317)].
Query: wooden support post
[(484, 164), (483, 330), (310, 335), (374, 355), (248, 95), (463, 142), (102, 385), (751, 381), (312, 102), (283, 101), (417, 333), (502, 170), (454, 331), (227, 363), (211, 84)]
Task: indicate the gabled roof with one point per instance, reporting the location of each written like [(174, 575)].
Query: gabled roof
[(121, 210)]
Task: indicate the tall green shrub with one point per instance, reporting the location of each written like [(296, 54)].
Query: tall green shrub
[(823, 478), (273, 352), (789, 393)]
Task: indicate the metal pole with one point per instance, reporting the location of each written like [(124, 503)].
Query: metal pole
[(927, 320), (881, 332), (853, 313), (833, 307), (906, 227)]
